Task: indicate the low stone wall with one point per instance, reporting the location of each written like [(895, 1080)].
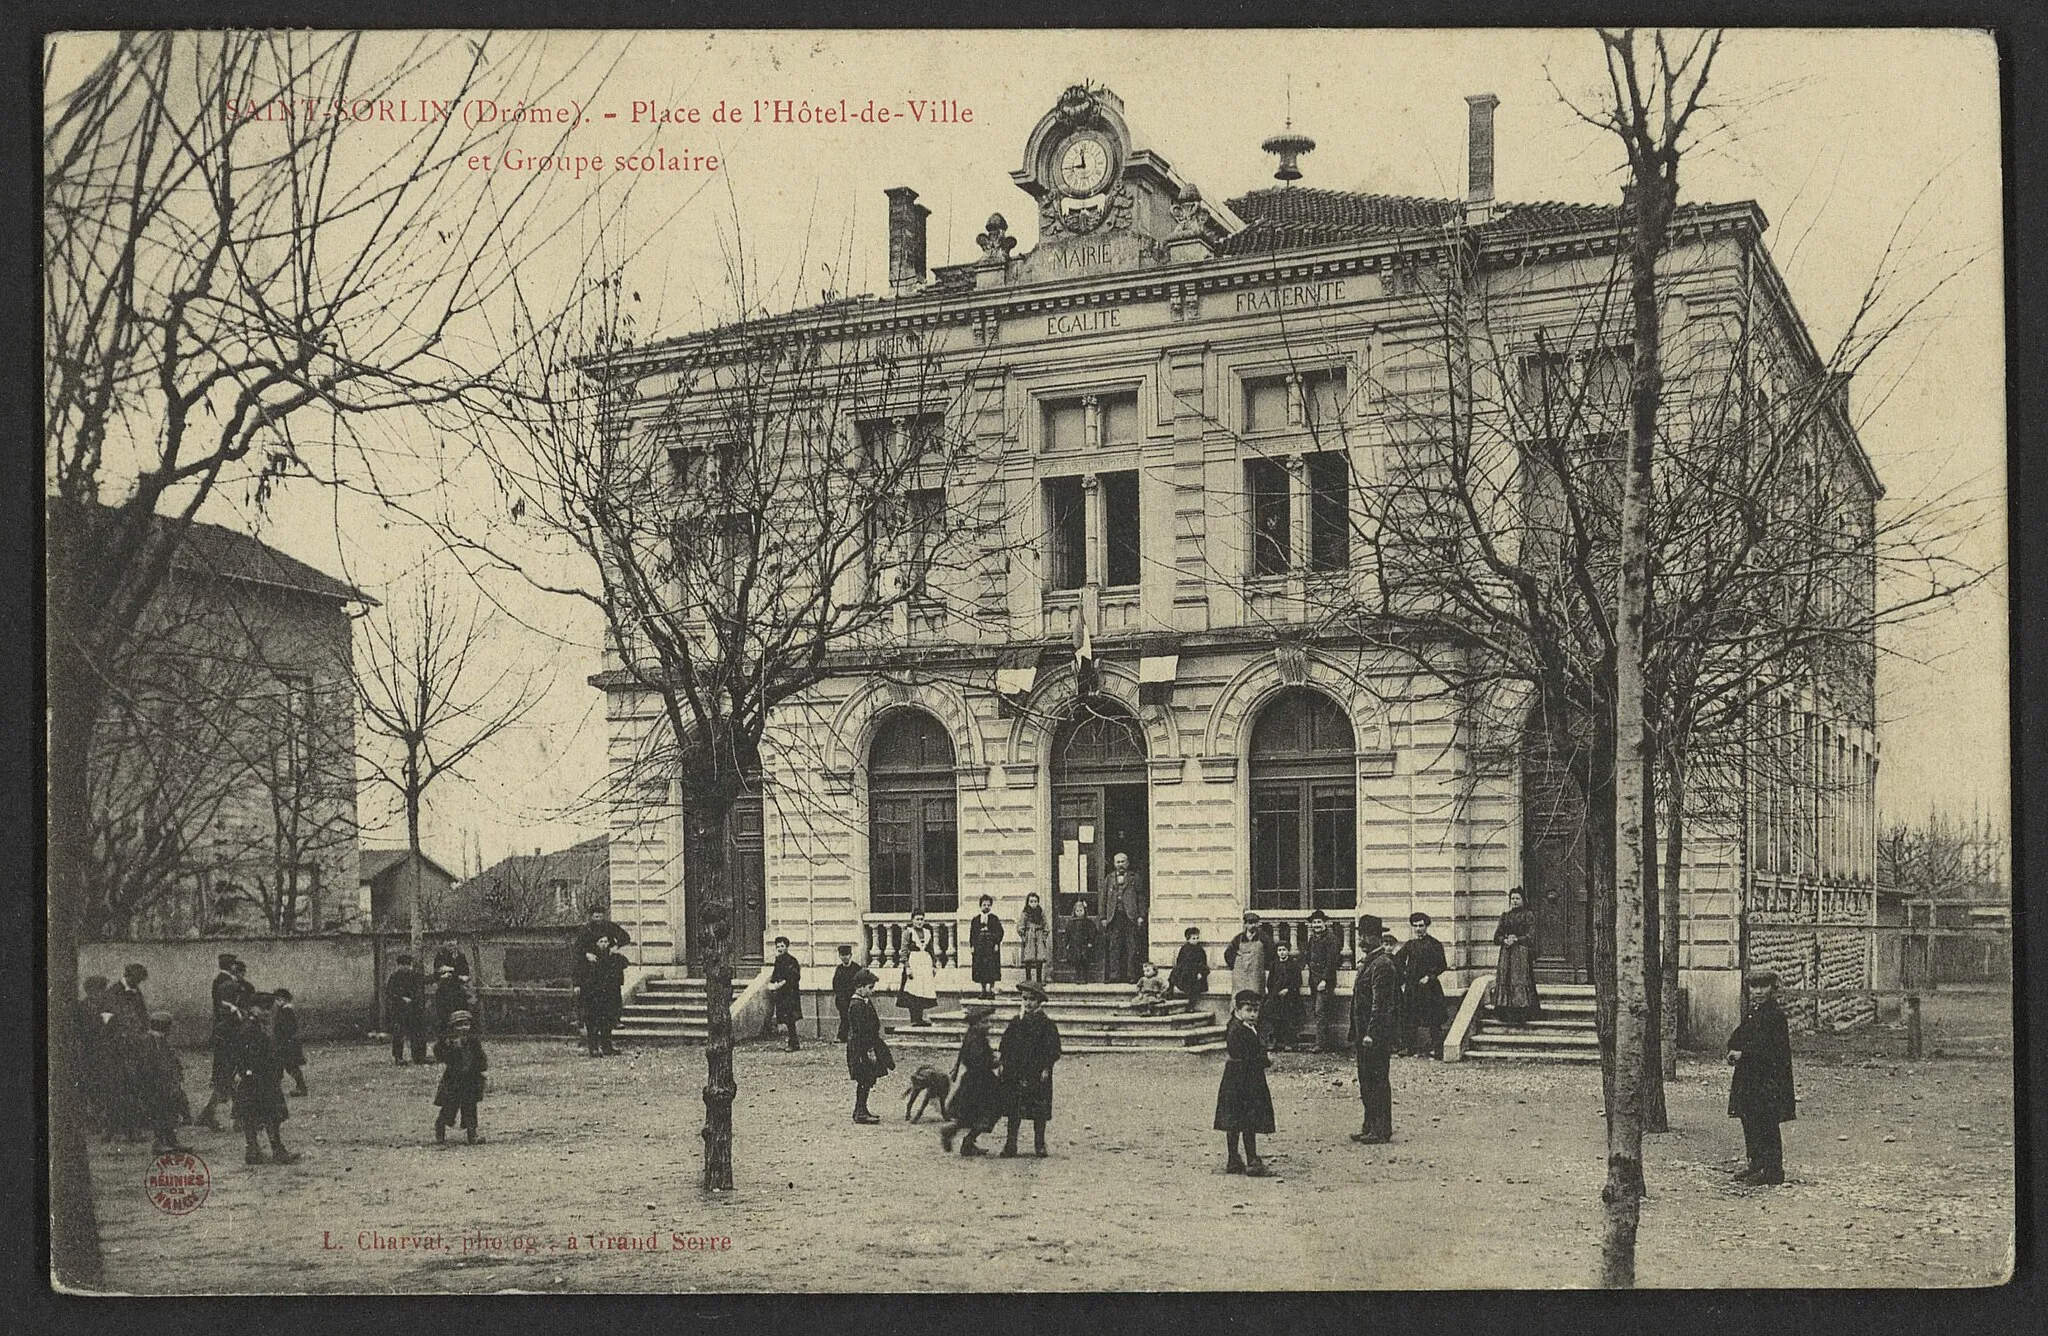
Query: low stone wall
[(333, 978), (516, 1010)]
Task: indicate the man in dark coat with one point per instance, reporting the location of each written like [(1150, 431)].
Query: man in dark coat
[(231, 995), (1325, 952), (1760, 1092), (463, 1064), (1283, 998), (163, 1090), (259, 1091), (125, 1051), (868, 1059), (608, 996), (451, 994), (843, 979), (405, 1011), (1373, 1004), (284, 1037), (977, 1098), (1190, 977), (1420, 963), (597, 935), (1031, 1045), (985, 943), (1123, 914), (1083, 937), (785, 996)]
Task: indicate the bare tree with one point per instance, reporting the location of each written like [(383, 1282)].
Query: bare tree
[(431, 696), (747, 504), (225, 265)]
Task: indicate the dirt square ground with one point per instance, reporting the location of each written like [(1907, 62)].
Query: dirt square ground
[(1900, 1174)]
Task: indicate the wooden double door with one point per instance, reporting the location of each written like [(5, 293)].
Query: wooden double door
[(746, 865), (1092, 823)]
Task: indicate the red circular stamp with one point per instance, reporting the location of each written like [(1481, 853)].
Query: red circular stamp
[(177, 1183)]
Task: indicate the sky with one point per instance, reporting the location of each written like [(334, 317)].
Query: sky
[(1872, 153)]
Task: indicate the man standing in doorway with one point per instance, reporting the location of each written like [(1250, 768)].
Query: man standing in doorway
[(1123, 910), (1373, 1004)]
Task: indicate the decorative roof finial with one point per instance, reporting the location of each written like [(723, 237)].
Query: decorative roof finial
[(1289, 145)]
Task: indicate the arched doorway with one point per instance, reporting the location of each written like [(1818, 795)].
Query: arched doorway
[(1099, 809), (1304, 805), (913, 818)]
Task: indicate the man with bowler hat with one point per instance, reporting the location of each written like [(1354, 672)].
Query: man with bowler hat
[(1373, 1003)]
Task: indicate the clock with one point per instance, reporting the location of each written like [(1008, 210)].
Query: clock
[(1082, 167)]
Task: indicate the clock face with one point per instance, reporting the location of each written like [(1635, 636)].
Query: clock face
[(1084, 165)]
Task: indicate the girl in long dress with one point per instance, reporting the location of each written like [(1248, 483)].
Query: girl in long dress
[(1034, 935), (1244, 1102), (985, 943), (920, 988), (1514, 977)]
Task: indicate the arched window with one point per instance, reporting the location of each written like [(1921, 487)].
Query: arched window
[(1304, 782), (913, 826)]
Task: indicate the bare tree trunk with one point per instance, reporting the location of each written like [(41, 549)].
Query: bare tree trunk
[(1668, 887), (413, 890), (1598, 786), (706, 866), (75, 1259), (1656, 1117)]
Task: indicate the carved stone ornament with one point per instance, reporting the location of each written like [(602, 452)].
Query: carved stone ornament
[(996, 243), (1293, 664)]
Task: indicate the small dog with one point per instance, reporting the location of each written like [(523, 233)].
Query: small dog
[(927, 1085)]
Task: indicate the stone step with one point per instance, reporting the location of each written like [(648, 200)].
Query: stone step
[(1527, 1039), (1207, 1039), (1063, 1018), (1534, 1055)]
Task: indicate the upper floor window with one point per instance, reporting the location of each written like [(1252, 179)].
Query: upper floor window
[(1329, 510), (1071, 532), (904, 534), (1091, 421), (1299, 399), (1268, 487), (909, 435)]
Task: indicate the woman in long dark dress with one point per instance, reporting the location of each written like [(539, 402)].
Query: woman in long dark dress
[(977, 1099), (1244, 1102), (1514, 977), (985, 937)]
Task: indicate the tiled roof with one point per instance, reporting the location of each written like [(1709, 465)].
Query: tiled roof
[(374, 863), (1292, 217), (210, 549)]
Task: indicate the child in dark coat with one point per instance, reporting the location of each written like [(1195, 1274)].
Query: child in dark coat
[(977, 1099), (259, 1104), (1244, 1103), (868, 1059), (1190, 976), (284, 1032), (163, 1092), (843, 984), (463, 1063)]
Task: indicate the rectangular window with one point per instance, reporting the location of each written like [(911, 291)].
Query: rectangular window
[(904, 535), (1120, 518), (941, 838), (1066, 536), (1333, 846), (1266, 485), (889, 855), (1322, 397), (1276, 847), (1119, 419), (1065, 425), (1265, 403), (1546, 395), (1329, 511)]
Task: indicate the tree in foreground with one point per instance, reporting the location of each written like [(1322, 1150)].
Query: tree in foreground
[(742, 506)]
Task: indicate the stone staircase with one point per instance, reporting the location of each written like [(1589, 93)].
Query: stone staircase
[(1093, 1018), (1564, 1033), (664, 1010)]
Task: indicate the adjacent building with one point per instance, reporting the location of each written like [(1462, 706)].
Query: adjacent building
[(1186, 409)]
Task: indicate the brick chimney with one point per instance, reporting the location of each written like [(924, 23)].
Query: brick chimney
[(906, 241), (1479, 157)]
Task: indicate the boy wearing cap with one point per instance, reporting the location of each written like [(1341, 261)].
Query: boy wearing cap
[(868, 1059), (1420, 963), (1283, 998), (1324, 953), (463, 1064), (259, 1104), (1760, 1091), (785, 1001), (842, 986), (1373, 1005), (1031, 1045), (977, 1099), (163, 1092), (230, 997), (284, 1036), (1244, 1102)]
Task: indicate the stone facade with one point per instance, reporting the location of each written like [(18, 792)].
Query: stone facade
[(1156, 394)]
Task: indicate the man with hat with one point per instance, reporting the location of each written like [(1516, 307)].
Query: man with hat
[(231, 994), (163, 1091), (1325, 951), (1373, 1005), (1031, 1045), (1420, 963), (1760, 1091), (259, 1103), (1247, 955), (405, 1011), (977, 1099), (868, 1059)]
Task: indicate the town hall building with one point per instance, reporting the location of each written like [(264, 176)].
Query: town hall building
[(1183, 404)]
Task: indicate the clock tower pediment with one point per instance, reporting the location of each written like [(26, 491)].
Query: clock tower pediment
[(1104, 204)]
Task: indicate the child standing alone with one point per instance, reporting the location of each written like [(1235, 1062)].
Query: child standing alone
[(1244, 1103), (463, 1063)]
